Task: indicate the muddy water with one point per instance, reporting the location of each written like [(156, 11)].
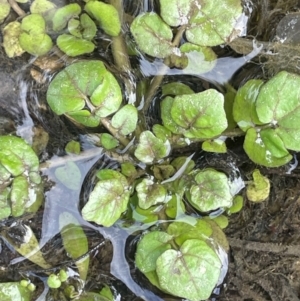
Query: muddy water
[(254, 269)]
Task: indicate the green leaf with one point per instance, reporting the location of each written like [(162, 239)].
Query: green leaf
[(182, 231), (74, 28), (259, 189), (128, 170), (85, 83), (211, 192), (75, 242), (200, 59), (149, 248), (35, 44), (11, 44), (244, 106), (107, 202), (151, 148), (73, 46), (33, 24), (19, 195), (212, 23), (169, 123), (107, 294), (41, 6), (53, 281), (106, 15), (278, 104), (190, 273), (30, 248), (173, 89), (201, 115), (73, 147), (215, 146), (237, 205), (125, 120), (153, 35), (5, 209), (69, 175), (266, 148), (84, 117), (150, 193), (64, 14), (108, 141), (180, 161), (4, 10), (89, 27), (161, 132), (110, 174), (14, 291)]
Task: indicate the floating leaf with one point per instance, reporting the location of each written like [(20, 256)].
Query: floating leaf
[(149, 248), (215, 146), (73, 147), (33, 24), (41, 6), (128, 170), (53, 281), (19, 195), (73, 46), (125, 120), (211, 192), (150, 193), (109, 174), (221, 221), (161, 132), (106, 15), (64, 14), (69, 175), (152, 35), (107, 202), (191, 273), (85, 83), (151, 148), (4, 10), (237, 205), (5, 209), (173, 89), (74, 28), (30, 248), (11, 44), (107, 294), (278, 104), (201, 115), (75, 242), (14, 291), (266, 148), (108, 141), (259, 189), (244, 106)]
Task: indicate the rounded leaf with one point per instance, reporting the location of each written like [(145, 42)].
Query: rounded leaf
[(64, 14), (212, 22), (106, 15), (14, 291), (41, 6), (125, 120), (73, 46), (278, 104), (107, 202), (35, 44), (151, 148), (152, 35), (190, 273), (108, 141), (211, 192), (69, 175), (202, 115), (4, 10), (33, 24), (88, 26), (11, 44)]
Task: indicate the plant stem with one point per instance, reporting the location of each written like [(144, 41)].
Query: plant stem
[(14, 5), (156, 82)]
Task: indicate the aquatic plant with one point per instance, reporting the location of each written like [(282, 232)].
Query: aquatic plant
[(183, 254)]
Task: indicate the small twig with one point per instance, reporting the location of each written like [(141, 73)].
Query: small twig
[(14, 5)]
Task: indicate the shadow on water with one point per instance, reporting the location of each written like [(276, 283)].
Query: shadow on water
[(23, 110)]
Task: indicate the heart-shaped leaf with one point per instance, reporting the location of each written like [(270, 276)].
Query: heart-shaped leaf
[(211, 192), (33, 24), (107, 202), (106, 15), (150, 193), (202, 114), (36, 44), (88, 26), (125, 120), (74, 46), (190, 273), (151, 148), (85, 83), (108, 141), (152, 35)]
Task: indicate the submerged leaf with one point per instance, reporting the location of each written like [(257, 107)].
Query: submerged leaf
[(191, 273), (75, 241), (152, 35), (69, 175)]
